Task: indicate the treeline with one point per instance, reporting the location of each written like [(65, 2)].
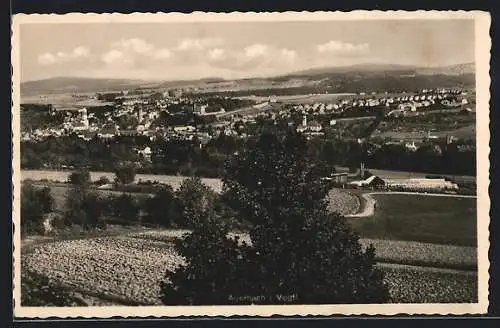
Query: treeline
[(432, 158), (192, 158)]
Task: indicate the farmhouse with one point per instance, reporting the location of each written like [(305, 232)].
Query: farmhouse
[(372, 181)]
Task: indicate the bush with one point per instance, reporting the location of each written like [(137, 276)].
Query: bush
[(84, 207), (300, 253), (125, 207), (102, 181), (80, 177), (195, 200), (35, 203), (125, 173), (163, 208)]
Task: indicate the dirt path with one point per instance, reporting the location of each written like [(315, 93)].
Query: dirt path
[(371, 203)]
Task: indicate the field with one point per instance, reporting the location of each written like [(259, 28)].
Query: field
[(128, 268), (303, 99), (66, 99), (438, 220), (466, 132), (174, 181)]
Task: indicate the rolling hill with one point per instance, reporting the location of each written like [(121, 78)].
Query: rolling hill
[(78, 84), (297, 79), (467, 68)]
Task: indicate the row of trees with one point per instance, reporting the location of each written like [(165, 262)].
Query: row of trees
[(186, 157)]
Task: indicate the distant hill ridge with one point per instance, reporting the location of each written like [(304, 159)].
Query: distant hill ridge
[(83, 85), (466, 68)]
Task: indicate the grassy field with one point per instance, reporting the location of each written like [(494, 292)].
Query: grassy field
[(439, 220), (59, 193), (62, 176), (465, 132)]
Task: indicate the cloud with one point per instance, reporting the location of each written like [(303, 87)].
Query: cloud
[(133, 50), (289, 55), (257, 57), (77, 53), (134, 44), (198, 44), (47, 59), (342, 48), (113, 56), (216, 54), (256, 50), (162, 53)]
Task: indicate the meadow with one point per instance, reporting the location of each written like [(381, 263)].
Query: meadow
[(62, 176), (437, 220)]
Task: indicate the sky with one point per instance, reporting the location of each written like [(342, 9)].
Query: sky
[(176, 51)]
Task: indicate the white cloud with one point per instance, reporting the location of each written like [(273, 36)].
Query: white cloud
[(256, 50), (112, 56), (216, 54), (134, 44), (198, 44), (162, 53), (289, 55), (76, 53), (81, 52), (342, 48), (47, 59)]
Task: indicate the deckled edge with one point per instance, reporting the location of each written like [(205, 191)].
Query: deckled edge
[(241, 311)]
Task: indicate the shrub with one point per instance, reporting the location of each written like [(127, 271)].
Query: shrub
[(80, 177), (35, 203), (102, 181), (300, 253), (125, 173), (163, 208), (195, 199), (125, 207), (84, 207)]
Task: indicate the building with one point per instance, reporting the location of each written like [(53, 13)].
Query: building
[(372, 181), (200, 109), (420, 184), (339, 177)]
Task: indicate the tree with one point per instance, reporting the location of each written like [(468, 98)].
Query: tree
[(125, 207), (80, 178), (195, 200), (125, 173), (163, 208), (35, 203), (299, 252), (83, 207)]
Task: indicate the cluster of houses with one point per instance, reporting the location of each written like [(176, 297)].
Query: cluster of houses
[(147, 109)]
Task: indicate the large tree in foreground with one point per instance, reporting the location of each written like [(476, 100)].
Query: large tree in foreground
[(300, 253)]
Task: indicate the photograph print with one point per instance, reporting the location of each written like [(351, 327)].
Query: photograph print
[(250, 164)]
